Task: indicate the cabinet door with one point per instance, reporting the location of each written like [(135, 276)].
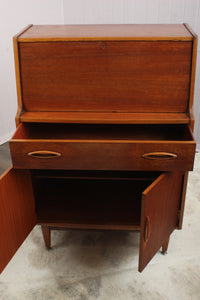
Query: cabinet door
[(17, 212), (159, 214)]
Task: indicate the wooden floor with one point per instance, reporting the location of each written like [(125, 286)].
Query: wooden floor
[(5, 159)]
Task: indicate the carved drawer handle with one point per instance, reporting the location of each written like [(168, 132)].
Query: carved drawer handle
[(44, 154), (159, 155), (146, 231)]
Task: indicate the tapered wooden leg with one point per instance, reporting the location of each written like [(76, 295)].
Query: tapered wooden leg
[(46, 231), (165, 246)]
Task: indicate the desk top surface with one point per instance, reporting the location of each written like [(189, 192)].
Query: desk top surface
[(106, 32)]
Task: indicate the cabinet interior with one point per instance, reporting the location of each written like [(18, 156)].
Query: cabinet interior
[(90, 199), (174, 132)]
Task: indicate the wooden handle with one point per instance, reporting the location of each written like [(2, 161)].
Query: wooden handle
[(44, 154), (146, 230), (160, 155)]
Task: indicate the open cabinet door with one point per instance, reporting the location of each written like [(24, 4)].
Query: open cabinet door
[(159, 214), (17, 212)]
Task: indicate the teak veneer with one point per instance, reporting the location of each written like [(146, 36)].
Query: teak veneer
[(104, 132)]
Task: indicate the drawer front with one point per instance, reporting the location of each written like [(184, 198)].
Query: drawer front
[(95, 155)]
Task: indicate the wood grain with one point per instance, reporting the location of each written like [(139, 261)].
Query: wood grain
[(17, 212), (160, 203), (89, 90), (17, 73), (106, 76), (103, 132), (46, 232), (193, 72), (44, 154), (107, 32), (182, 202), (103, 175), (165, 246), (82, 203), (93, 226), (105, 117), (103, 147)]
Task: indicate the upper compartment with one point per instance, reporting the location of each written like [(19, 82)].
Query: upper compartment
[(105, 69)]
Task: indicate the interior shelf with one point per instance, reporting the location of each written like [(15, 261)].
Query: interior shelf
[(94, 175), (101, 203)]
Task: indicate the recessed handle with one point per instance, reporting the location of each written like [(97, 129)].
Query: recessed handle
[(146, 230), (160, 155), (44, 154)]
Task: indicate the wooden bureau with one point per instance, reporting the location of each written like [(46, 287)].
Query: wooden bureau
[(104, 132)]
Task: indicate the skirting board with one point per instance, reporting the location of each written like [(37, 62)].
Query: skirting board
[(6, 138)]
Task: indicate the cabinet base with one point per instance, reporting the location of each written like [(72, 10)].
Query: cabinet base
[(46, 231)]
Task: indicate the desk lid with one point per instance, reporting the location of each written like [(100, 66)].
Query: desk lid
[(106, 32)]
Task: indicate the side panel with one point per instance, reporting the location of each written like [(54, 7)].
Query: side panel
[(159, 214), (17, 73), (139, 76), (17, 212)]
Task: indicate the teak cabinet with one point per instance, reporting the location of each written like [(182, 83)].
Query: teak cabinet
[(104, 132)]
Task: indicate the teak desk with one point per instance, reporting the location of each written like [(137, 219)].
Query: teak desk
[(104, 132)]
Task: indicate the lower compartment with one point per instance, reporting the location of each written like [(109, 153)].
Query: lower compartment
[(95, 200)]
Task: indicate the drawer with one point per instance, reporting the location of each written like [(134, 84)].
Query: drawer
[(103, 147)]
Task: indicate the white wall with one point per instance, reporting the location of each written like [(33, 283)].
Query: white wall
[(140, 11), (14, 15)]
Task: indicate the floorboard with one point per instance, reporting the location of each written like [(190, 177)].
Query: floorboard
[(5, 158)]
